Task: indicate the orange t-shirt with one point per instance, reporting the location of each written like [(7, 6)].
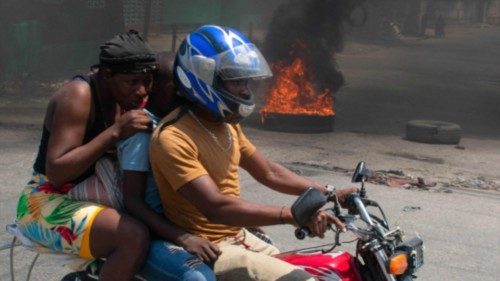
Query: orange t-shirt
[(185, 151)]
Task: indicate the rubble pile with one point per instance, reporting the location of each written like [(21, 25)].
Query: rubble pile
[(397, 178), (476, 183)]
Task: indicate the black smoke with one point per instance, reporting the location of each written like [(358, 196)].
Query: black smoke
[(317, 24)]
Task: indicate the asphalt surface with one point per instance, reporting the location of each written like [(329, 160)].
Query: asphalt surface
[(456, 79), (459, 226), (459, 229)]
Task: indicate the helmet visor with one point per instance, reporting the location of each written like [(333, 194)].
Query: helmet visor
[(242, 62)]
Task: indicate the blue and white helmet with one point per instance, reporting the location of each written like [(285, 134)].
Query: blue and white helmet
[(211, 54)]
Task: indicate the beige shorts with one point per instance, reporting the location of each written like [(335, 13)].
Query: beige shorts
[(246, 257)]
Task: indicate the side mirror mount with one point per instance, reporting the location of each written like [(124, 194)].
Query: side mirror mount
[(361, 175)]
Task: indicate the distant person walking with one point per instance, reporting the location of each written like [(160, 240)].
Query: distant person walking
[(439, 27), (423, 25)]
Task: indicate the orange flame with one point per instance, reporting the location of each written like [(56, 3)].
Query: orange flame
[(293, 93)]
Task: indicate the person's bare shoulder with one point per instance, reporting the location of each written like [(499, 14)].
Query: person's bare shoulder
[(73, 91), (73, 100)]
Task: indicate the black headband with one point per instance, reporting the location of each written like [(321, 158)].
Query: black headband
[(127, 53), (131, 68)]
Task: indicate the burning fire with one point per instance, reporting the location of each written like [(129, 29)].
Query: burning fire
[(294, 94)]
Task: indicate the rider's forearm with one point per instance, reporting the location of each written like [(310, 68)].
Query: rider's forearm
[(238, 212), (76, 161), (285, 181)]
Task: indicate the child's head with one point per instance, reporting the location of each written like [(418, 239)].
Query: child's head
[(163, 94)]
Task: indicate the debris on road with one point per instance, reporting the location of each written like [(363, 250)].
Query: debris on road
[(325, 166), (393, 177), (411, 208), (397, 178), (476, 183)]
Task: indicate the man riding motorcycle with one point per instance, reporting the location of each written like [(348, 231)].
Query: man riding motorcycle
[(197, 149)]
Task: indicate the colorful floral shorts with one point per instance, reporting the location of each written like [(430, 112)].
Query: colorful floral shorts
[(47, 216)]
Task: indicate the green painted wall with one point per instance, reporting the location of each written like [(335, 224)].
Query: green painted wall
[(191, 11), (234, 13)]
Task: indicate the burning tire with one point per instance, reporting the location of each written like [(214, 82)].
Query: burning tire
[(431, 131)]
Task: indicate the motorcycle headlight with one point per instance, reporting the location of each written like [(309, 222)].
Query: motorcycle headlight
[(413, 250), (398, 263)]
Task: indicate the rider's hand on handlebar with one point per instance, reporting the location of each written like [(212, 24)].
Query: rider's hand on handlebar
[(343, 194), (320, 221)]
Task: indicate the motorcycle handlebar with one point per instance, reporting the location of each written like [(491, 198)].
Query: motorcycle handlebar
[(355, 201), (302, 232), (358, 202)]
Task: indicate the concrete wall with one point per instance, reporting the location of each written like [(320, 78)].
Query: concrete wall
[(493, 12), (469, 11)]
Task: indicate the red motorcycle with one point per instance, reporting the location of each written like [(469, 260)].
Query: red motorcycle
[(381, 254)]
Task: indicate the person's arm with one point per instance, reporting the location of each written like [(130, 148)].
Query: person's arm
[(234, 211), (203, 193), (67, 156), (134, 186), (275, 176), (279, 178)]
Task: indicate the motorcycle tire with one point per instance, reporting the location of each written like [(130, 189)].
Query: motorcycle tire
[(432, 131)]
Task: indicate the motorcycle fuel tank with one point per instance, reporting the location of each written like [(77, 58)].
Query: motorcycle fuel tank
[(339, 266)]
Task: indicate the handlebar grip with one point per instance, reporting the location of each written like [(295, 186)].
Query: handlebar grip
[(301, 233)]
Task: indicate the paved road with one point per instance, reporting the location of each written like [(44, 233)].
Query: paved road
[(460, 229), (456, 79)]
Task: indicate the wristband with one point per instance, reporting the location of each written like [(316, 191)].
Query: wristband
[(282, 221)]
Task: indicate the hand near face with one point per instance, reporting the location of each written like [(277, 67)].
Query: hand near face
[(131, 122)]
